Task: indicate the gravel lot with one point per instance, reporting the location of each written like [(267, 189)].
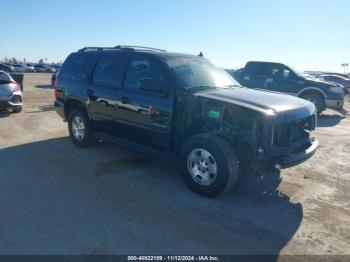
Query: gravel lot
[(58, 199)]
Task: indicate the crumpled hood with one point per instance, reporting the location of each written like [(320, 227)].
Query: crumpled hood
[(270, 103)]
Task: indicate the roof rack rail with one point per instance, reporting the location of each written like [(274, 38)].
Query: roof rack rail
[(126, 47), (89, 48), (139, 47)]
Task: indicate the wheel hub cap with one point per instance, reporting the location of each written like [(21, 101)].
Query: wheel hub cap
[(202, 167), (78, 128)]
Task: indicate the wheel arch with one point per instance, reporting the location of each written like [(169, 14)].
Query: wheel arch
[(73, 103), (312, 89)]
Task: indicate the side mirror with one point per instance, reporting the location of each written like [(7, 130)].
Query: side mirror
[(147, 84)]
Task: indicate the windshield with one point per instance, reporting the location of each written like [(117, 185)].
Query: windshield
[(195, 73), (5, 78)]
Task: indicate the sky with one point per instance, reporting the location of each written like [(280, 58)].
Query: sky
[(306, 34)]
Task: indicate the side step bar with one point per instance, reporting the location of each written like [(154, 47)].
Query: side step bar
[(133, 146)]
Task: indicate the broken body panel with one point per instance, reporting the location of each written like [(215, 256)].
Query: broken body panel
[(274, 133)]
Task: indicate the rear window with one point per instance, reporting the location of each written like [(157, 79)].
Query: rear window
[(109, 71), (257, 68), (75, 67)]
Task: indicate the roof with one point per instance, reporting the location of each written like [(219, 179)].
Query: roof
[(138, 49), (266, 62)]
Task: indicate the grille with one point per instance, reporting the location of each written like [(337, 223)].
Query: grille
[(16, 99), (295, 132)]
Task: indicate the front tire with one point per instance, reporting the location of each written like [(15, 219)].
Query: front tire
[(209, 165), (80, 129)]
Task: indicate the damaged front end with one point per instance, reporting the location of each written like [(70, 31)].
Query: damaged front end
[(290, 142), (272, 130)]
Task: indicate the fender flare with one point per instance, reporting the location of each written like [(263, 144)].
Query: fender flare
[(77, 100), (311, 88)]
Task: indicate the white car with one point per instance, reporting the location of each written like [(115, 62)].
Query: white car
[(10, 93)]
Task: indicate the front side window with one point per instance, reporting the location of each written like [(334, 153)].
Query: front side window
[(286, 73), (141, 70), (279, 71), (193, 72), (108, 71)]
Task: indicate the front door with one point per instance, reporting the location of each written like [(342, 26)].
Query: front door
[(281, 79), (143, 116)]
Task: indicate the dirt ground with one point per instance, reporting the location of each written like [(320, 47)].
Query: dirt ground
[(58, 199)]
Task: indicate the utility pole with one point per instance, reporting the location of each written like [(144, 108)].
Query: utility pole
[(345, 65)]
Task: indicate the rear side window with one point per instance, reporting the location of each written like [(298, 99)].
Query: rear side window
[(257, 68), (75, 67), (108, 71)]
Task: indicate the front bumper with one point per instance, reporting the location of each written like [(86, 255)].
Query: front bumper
[(336, 104), (298, 156), (15, 101)]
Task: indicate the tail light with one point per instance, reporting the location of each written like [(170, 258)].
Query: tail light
[(56, 90), (17, 87)]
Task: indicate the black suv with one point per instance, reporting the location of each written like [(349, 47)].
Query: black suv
[(175, 105)]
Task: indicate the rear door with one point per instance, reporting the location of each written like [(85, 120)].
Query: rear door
[(145, 117), (254, 75), (102, 92)]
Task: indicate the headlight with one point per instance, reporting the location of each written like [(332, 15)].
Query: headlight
[(336, 89)]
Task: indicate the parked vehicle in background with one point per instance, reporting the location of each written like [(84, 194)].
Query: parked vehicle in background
[(10, 93), (344, 81), (7, 68), (21, 68), (30, 67), (175, 105), (42, 68), (56, 66), (337, 74), (54, 77), (281, 78)]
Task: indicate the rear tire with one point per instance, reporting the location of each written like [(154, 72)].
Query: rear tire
[(200, 156), (317, 99), (80, 129)]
